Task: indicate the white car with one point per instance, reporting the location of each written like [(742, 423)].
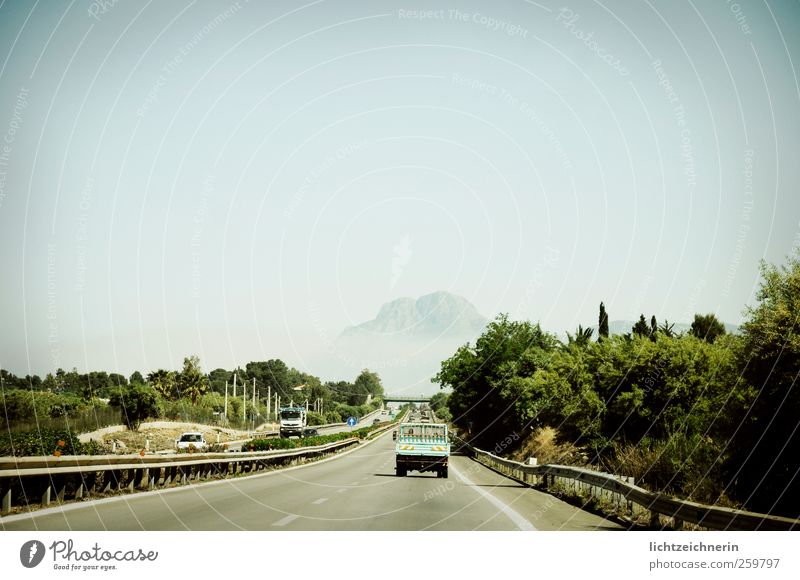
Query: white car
[(191, 440)]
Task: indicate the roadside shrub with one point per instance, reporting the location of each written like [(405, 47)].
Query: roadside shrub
[(544, 445), (39, 442), (136, 403), (688, 465), (315, 418), (277, 443), (94, 448)]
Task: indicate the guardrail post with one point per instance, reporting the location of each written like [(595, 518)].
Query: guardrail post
[(655, 519), (6, 507), (144, 478), (46, 495), (108, 477), (630, 502)]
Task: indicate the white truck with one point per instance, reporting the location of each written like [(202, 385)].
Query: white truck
[(294, 420), (421, 447)]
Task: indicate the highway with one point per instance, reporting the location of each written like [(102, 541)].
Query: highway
[(353, 491), (365, 421)]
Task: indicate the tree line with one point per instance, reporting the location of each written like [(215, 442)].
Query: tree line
[(706, 415), (188, 393)]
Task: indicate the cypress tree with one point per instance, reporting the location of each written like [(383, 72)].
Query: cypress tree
[(602, 326)]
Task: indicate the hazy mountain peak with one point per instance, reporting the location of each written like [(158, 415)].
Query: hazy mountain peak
[(436, 314)]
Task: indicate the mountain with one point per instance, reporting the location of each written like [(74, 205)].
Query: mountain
[(440, 314), (407, 341)]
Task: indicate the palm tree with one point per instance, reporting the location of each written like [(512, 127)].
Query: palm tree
[(666, 329), (191, 381), (582, 337), (163, 382)]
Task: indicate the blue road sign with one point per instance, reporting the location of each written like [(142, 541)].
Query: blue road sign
[(351, 421)]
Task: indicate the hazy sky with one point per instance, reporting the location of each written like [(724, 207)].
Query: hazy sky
[(243, 180)]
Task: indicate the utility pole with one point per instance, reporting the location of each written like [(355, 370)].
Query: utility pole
[(269, 400), (226, 401), (254, 403)]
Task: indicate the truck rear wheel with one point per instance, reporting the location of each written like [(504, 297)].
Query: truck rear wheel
[(443, 472), (401, 471)]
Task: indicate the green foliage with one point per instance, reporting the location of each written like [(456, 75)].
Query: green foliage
[(482, 401), (136, 403), (707, 327), (279, 443), (582, 337), (39, 442), (680, 399), (315, 418), (439, 406), (640, 328), (164, 382), (602, 323), (333, 416), (667, 329), (367, 385), (768, 443), (190, 381)]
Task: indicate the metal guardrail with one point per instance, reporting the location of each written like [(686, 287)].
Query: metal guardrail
[(623, 492), (46, 479), (30, 479)]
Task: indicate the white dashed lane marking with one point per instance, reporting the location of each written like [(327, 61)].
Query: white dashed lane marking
[(515, 517), (320, 500), (286, 520)]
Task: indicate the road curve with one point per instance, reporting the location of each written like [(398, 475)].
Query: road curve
[(355, 491)]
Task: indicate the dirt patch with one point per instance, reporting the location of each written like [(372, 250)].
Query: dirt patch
[(163, 438)]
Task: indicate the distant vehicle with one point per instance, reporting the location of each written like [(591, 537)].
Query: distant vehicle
[(191, 441), (293, 421), (376, 421), (309, 432), (422, 447)]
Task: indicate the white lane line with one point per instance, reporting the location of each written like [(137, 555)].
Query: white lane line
[(320, 500), (515, 517), (341, 490), (286, 520)]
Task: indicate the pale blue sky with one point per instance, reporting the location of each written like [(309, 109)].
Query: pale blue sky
[(243, 180)]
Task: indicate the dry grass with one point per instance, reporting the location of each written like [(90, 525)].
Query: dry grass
[(544, 445)]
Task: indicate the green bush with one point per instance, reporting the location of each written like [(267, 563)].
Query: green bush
[(39, 442), (136, 403), (277, 443), (315, 418)]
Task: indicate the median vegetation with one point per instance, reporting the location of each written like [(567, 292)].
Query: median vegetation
[(279, 443), (704, 415)]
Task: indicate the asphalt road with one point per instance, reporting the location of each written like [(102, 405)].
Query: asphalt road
[(354, 491)]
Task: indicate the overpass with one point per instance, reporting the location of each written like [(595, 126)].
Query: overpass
[(406, 399)]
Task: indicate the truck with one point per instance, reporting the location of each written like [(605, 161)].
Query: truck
[(294, 420), (421, 447)]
